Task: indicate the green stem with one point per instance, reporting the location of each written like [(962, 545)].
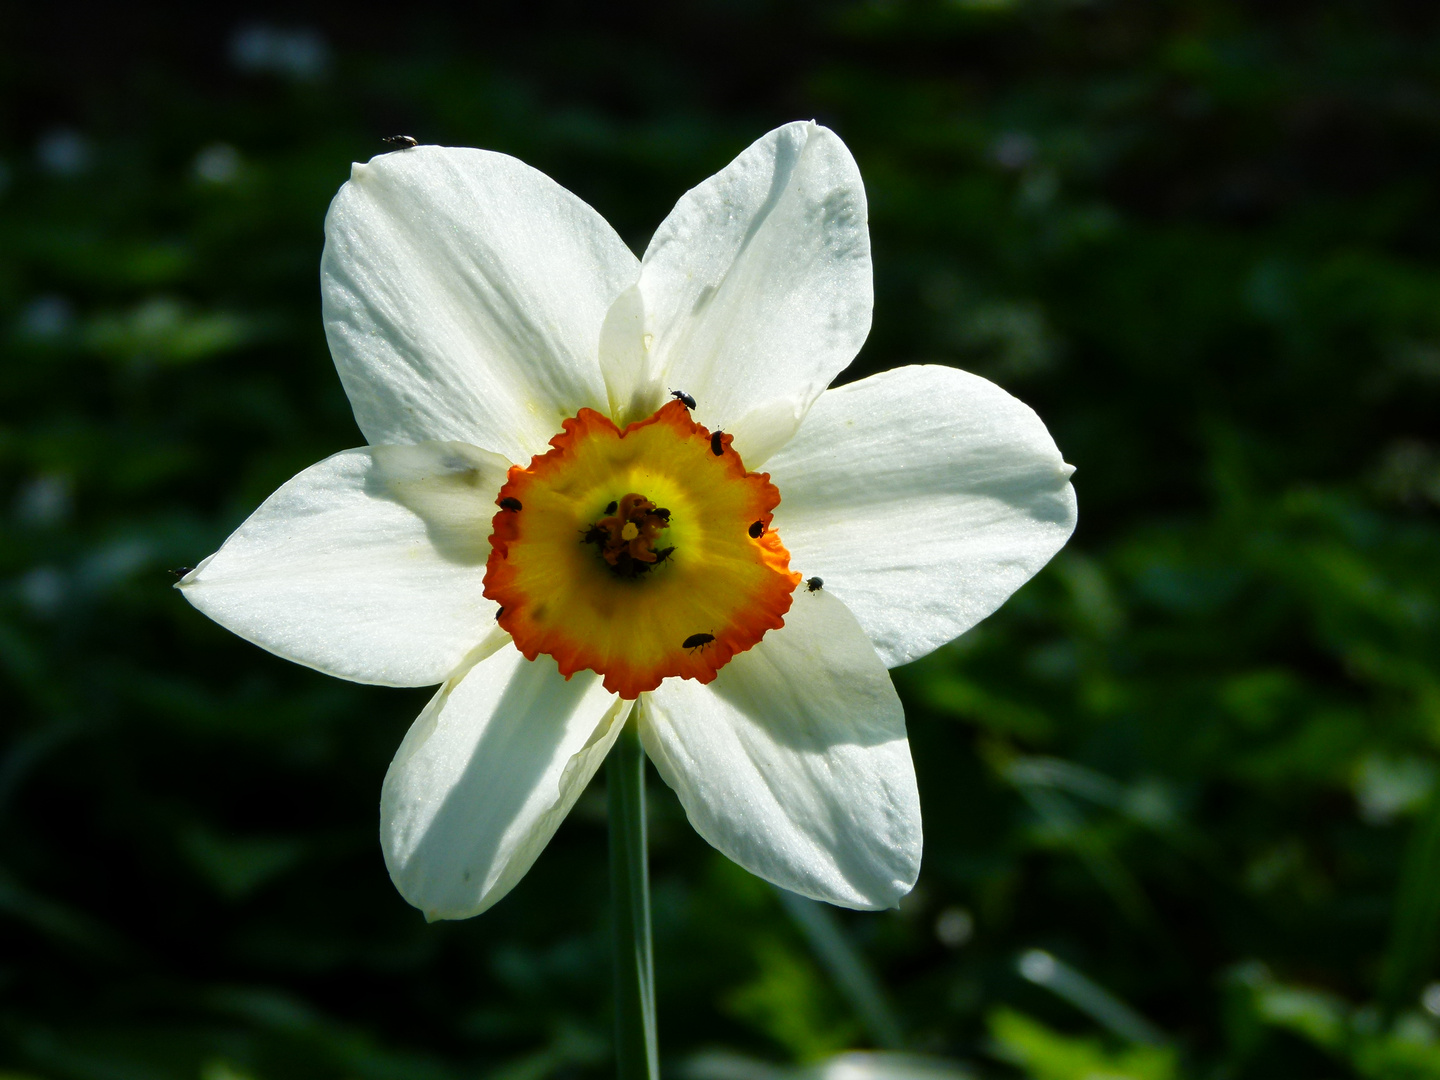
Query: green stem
[(636, 1053), (1415, 924)]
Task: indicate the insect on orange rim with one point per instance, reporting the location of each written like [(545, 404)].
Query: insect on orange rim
[(634, 553)]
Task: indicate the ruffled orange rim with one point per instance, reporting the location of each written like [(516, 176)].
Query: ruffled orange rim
[(721, 585)]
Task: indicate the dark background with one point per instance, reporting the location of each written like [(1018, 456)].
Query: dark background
[(1193, 761)]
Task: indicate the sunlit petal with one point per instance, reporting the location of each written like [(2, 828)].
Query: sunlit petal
[(485, 776), (923, 497), (463, 294), (757, 288), (794, 762), (369, 565)]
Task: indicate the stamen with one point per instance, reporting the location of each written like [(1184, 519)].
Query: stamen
[(626, 536)]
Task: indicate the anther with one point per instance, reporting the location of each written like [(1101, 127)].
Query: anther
[(625, 537)]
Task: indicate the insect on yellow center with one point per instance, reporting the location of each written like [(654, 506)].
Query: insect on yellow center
[(640, 554)]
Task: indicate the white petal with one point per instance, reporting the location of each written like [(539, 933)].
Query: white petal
[(485, 776), (794, 761), (464, 293), (625, 360), (923, 496), (758, 286), (369, 565)]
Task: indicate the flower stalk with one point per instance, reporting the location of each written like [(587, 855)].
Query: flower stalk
[(636, 1051)]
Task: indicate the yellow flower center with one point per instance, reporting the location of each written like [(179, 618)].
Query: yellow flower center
[(639, 554)]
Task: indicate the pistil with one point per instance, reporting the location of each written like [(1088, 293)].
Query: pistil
[(627, 535)]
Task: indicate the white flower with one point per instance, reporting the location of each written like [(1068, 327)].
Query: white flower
[(477, 311)]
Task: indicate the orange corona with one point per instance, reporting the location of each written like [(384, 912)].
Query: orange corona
[(629, 544)]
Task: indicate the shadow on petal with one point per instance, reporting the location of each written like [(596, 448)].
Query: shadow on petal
[(450, 486), (817, 667), (484, 778)]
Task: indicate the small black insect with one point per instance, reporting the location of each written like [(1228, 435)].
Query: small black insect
[(814, 584), (181, 571), (697, 641), (684, 398), (593, 535), (611, 508), (756, 529), (511, 503), (716, 446), (662, 513), (404, 142), (498, 613), (662, 555)]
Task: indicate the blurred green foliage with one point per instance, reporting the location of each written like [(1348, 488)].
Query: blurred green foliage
[(1193, 764)]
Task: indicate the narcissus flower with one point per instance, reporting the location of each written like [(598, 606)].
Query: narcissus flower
[(541, 527)]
